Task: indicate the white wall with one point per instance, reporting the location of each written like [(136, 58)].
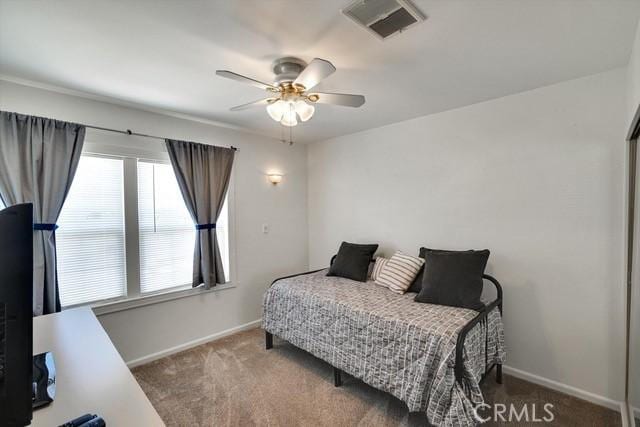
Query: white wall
[(633, 98), (633, 75), (259, 257), (538, 178)]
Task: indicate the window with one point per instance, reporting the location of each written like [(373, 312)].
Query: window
[(125, 232), (222, 231), (167, 232), (91, 236)]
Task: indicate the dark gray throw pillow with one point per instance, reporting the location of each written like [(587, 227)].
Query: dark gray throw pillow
[(417, 282), (454, 278), (352, 261)]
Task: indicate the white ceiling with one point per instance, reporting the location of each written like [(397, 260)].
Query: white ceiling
[(163, 54)]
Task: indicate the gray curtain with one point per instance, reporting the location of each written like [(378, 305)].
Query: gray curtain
[(203, 173), (38, 159)]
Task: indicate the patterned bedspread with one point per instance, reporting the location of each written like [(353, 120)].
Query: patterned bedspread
[(388, 341)]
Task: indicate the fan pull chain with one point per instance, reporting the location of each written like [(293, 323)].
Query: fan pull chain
[(290, 135)]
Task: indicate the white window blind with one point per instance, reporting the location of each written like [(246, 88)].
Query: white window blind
[(167, 232), (91, 238), (222, 231)]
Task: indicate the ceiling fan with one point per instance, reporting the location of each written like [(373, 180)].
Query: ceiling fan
[(290, 93)]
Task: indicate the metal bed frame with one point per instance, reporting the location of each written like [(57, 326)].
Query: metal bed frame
[(462, 335)]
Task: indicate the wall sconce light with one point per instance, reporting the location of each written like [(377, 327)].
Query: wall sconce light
[(275, 178)]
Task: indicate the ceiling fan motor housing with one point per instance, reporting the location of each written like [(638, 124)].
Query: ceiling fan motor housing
[(288, 98), (287, 69)]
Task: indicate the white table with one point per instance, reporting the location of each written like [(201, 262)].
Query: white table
[(91, 377)]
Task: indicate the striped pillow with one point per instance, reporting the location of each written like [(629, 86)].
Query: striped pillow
[(398, 272), (377, 267)]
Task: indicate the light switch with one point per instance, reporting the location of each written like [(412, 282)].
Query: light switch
[(265, 228)]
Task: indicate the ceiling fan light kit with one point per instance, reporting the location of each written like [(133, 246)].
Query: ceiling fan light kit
[(290, 97), (289, 107)]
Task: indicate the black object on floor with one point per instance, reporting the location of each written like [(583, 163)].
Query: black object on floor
[(337, 377)]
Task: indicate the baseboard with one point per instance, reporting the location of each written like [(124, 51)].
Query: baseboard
[(190, 344), (564, 388)]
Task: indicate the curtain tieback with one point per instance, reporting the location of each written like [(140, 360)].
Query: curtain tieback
[(44, 227), (206, 226)]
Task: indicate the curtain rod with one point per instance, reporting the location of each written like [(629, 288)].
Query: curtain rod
[(130, 132)]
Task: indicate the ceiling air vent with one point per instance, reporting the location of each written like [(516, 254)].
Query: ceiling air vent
[(384, 18)]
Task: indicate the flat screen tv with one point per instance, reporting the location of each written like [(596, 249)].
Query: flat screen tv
[(16, 315)]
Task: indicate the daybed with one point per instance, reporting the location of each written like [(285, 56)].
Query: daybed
[(432, 357)]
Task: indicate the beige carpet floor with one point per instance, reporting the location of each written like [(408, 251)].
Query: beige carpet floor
[(236, 382)]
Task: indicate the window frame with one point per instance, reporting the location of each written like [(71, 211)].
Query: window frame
[(124, 209), (134, 298)]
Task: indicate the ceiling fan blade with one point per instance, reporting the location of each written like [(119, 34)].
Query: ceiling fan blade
[(314, 73), (343, 99), (259, 103), (239, 78)]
